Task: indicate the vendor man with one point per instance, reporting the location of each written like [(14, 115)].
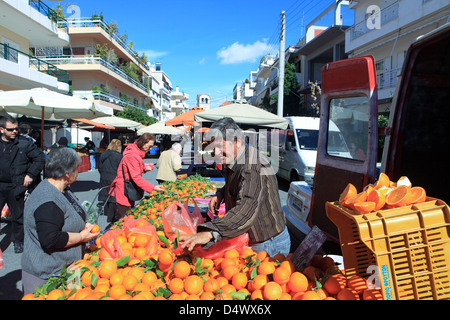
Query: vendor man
[(250, 195)]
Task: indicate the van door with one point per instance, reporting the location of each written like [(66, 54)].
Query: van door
[(348, 101)]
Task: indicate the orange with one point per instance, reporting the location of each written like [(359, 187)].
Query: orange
[(347, 294), (383, 181), (285, 296), (372, 294), (55, 294), (404, 181), (193, 284), (360, 197), (257, 295), (229, 271), (357, 283), (103, 288), (129, 282), (418, 195), (378, 197), (116, 278), (107, 268), (333, 285), (228, 262), (266, 268), (239, 280), (166, 257), (349, 192), (222, 281), (281, 275), (272, 291), (95, 229), (117, 291), (143, 295), (399, 197), (86, 278), (149, 277), (258, 282), (364, 207), (141, 240), (29, 296), (262, 255), (288, 265), (176, 285), (310, 295), (247, 252), (104, 255), (176, 296), (182, 269), (232, 254), (138, 272), (140, 252), (125, 297), (298, 282), (207, 296), (140, 287), (211, 285)]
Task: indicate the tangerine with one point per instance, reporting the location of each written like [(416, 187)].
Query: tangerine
[(182, 269), (349, 192), (95, 229), (360, 197), (107, 268), (365, 207), (266, 268), (239, 280), (310, 295), (193, 284), (378, 197), (298, 282), (141, 240), (383, 181), (272, 291), (176, 285), (117, 291), (55, 294), (418, 195), (281, 275), (399, 197)]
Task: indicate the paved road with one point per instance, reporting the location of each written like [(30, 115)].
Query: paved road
[(85, 188)]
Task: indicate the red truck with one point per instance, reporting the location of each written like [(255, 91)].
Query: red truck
[(417, 136)]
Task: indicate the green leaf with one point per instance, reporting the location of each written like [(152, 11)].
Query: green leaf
[(164, 240), (238, 295), (254, 273), (123, 261), (177, 240)]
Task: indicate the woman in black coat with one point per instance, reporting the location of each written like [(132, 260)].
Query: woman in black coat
[(108, 163)]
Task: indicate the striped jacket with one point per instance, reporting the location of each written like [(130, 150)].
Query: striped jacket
[(251, 199)]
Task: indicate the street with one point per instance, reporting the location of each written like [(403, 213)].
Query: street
[(85, 189)]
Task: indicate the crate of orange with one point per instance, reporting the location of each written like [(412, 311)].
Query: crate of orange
[(395, 235)]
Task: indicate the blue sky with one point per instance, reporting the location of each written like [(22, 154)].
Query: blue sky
[(205, 46)]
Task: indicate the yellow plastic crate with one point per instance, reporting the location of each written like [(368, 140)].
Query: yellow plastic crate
[(410, 247)]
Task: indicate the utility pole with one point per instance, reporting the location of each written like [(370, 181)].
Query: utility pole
[(281, 58)]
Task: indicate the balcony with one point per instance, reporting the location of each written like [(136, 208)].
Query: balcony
[(388, 79), (96, 60), (89, 23), (387, 14), (106, 97), (38, 72)]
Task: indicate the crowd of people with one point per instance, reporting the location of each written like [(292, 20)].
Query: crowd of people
[(49, 225)]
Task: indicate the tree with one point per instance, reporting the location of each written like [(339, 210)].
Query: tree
[(137, 115)]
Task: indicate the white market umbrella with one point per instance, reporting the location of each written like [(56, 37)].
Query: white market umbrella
[(45, 104), (118, 122), (160, 128), (243, 113)]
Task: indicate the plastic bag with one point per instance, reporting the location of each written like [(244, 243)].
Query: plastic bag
[(111, 244), (218, 249), (6, 213), (178, 218), (142, 226), (206, 201)]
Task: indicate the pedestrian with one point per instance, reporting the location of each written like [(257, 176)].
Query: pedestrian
[(62, 142), (131, 168), (55, 223), (107, 167), (90, 149), (168, 164), (21, 163), (250, 195), (25, 131)]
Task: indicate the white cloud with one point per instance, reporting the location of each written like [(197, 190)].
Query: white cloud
[(202, 61), (239, 53), (153, 55)]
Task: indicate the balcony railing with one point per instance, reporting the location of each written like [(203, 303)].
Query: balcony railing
[(19, 57), (95, 60), (387, 14), (89, 23), (50, 13), (103, 96), (388, 79)]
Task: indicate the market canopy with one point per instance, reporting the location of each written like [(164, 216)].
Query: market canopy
[(160, 128), (45, 104), (243, 114), (119, 123), (95, 124), (186, 118)]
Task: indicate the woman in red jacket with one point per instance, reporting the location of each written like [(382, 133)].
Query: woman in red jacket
[(133, 168)]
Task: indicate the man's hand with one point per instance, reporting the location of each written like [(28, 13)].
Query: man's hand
[(27, 181), (215, 202), (191, 241)]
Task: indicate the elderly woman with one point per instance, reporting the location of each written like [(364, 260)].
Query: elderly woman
[(131, 168), (169, 163), (55, 224)]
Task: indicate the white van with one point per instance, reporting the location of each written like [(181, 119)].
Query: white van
[(297, 151)]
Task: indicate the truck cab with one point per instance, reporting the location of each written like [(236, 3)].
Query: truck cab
[(416, 140)]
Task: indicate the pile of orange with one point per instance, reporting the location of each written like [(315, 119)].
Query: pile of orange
[(383, 194)]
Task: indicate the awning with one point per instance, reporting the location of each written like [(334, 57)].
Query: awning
[(95, 124)]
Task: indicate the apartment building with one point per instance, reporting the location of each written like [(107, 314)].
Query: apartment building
[(385, 29), (102, 66), (178, 101), (26, 24), (161, 90)]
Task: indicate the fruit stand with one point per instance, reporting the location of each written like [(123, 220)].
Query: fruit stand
[(139, 258)]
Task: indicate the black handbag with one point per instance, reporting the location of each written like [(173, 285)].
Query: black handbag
[(131, 190)]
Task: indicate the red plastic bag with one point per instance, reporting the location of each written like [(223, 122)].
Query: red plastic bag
[(6, 213), (142, 226), (218, 249), (111, 244), (178, 218)]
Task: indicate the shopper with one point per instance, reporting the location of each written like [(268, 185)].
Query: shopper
[(107, 167), (250, 195), (21, 163), (90, 149), (55, 223), (168, 164), (131, 168)]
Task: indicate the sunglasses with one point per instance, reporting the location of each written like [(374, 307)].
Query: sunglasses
[(11, 129)]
